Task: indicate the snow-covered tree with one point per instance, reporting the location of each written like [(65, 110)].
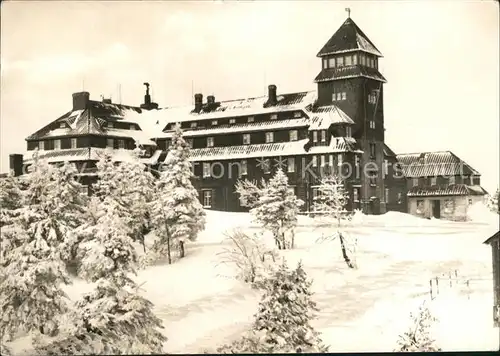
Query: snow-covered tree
[(492, 202), (176, 212), (330, 204), (283, 320), (418, 336), (10, 198), (114, 318), (274, 206), (31, 298)]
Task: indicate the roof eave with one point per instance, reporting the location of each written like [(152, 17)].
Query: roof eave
[(324, 54)]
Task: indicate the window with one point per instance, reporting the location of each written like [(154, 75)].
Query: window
[(325, 63), (376, 63), (189, 142), (331, 62), (132, 126), (372, 150), (274, 116), (57, 144), (315, 136), (348, 60), (348, 131), (232, 121), (340, 61), (387, 195), (372, 124), (330, 160), (206, 170), (269, 137), (110, 125), (323, 160), (470, 201), (354, 59), (315, 192), (372, 178), (362, 59), (386, 167), (420, 206), (293, 135), (334, 97), (339, 96), (344, 95), (246, 139), (214, 122), (433, 181), (73, 143), (471, 180), (356, 161), (340, 159), (355, 194), (210, 142), (62, 125), (372, 99), (415, 182), (451, 180), (371, 62), (121, 144), (110, 143), (323, 135), (314, 161), (207, 198), (267, 166), (244, 167), (193, 125), (251, 119), (400, 196), (291, 164), (297, 114)]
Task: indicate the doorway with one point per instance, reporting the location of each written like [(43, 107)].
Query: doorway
[(436, 209)]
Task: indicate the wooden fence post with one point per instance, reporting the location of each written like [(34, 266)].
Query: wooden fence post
[(430, 288), (468, 289), (450, 280), (437, 285)]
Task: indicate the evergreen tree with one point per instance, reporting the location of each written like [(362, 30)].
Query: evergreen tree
[(418, 336), (113, 318), (277, 208), (282, 322), (176, 212), (10, 198), (31, 298)]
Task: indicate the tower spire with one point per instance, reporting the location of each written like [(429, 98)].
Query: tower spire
[(348, 12)]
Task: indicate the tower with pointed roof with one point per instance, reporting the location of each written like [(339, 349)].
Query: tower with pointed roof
[(350, 79)]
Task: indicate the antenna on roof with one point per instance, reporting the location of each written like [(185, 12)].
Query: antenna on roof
[(192, 91), (348, 12), (119, 94)]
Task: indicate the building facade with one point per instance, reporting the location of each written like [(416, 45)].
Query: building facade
[(440, 185)]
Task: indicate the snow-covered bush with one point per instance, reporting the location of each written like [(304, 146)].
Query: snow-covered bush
[(418, 336), (251, 258), (282, 322), (176, 212), (274, 206), (492, 202), (10, 198)]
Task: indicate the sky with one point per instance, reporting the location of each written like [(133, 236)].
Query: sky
[(441, 60)]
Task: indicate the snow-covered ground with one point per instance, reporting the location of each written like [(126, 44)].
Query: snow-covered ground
[(360, 310)]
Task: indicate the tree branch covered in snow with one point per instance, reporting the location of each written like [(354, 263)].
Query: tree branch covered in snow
[(176, 211), (330, 204), (274, 206), (282, 322), (251, 258), (492, 202), (418, 337)]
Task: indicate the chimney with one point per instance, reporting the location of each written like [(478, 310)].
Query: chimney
[(272, 98), (210, 99), (148, 104), (106, 101), (16, 164), (80, 100), (198, 102)]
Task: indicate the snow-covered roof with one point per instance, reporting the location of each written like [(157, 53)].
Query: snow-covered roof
[(337, 144), (433, 164), (140, 137), (451, 190)]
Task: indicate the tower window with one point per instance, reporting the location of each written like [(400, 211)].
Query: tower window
[(325, 63), (344, 96), (348, 131), (334, 97), (340, 61), (372, 124), (244, 167), (348, 60), (372, 150), (362, 59), (354, 59), (339, 96), (331, 62)]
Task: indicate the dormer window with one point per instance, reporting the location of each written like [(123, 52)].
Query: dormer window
[(214, 122), (297, 114), (210, 142), (232, 121), (193, 125), (110, 125), (274, 116), (251, 119), (62, 125), (57, 144), (41, 145)]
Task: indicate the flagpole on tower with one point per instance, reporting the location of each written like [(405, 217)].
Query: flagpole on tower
[(348, 12)]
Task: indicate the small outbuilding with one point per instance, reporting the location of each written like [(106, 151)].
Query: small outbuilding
[(494, 242)]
